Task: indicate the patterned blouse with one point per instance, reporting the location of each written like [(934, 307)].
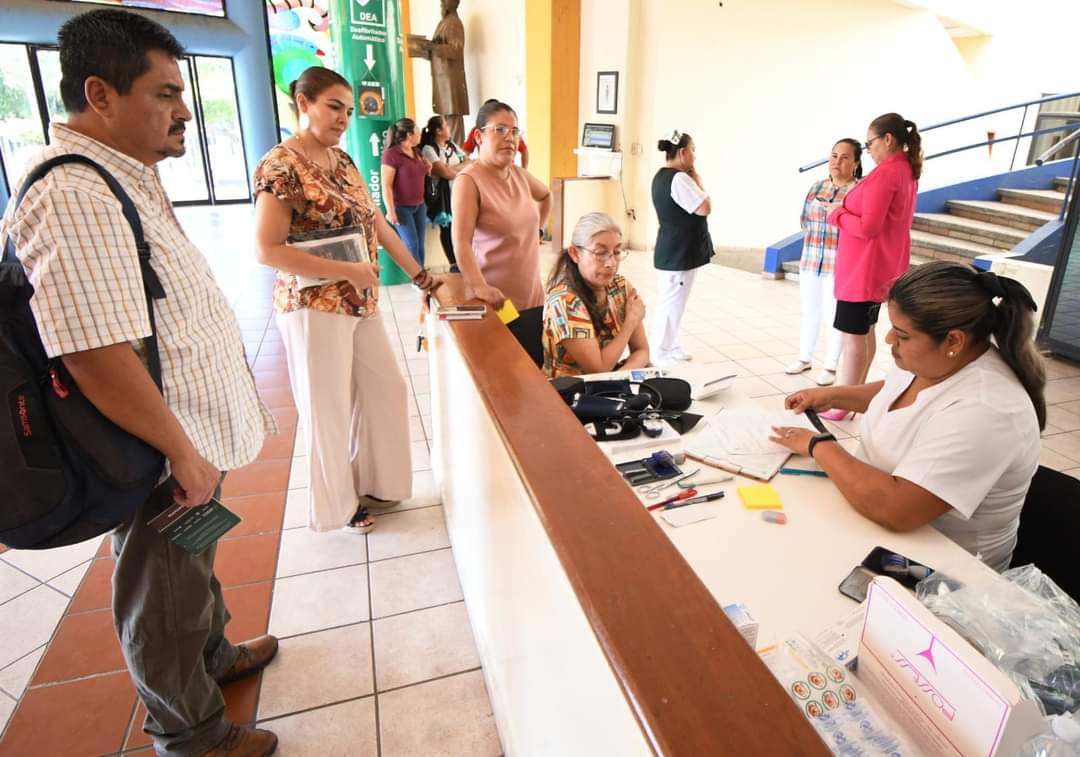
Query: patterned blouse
[(320, 199), (820, 239), (566, 317)]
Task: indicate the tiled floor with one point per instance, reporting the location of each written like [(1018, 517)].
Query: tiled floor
[(377, 654)]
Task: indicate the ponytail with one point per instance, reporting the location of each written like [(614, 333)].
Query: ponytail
[(398, 132), (1014, 330), (940, 297), (906, 134)]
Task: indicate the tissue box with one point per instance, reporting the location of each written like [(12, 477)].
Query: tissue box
[(744, 621)]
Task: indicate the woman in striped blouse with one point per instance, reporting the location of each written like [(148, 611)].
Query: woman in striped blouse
[(819, 259)]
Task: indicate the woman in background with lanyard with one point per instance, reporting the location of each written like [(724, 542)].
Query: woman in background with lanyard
[(499, 209), (683, 243), (350, 395), (446, 161)]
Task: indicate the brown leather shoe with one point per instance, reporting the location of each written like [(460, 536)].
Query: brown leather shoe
[(254, 656), (242, 741)]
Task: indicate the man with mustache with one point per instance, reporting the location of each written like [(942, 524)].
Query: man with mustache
[(123, 90)]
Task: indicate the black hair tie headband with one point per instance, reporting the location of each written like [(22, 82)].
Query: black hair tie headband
[(994, 285)]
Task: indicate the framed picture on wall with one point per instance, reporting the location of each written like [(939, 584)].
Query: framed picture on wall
[(607, 92)]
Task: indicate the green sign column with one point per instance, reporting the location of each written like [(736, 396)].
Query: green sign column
[(368, 39)]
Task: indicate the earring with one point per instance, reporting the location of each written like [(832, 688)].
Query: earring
[(952, 354)]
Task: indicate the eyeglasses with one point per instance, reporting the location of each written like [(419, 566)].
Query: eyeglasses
[(502, 131), (604, 256), (871, 141)]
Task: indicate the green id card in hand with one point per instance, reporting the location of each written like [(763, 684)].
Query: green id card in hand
[(195, 528)]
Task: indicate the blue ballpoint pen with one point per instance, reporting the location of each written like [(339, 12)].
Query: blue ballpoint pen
[(694, 501), (801, 472)]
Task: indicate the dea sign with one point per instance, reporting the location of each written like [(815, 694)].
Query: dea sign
[(368, 12)]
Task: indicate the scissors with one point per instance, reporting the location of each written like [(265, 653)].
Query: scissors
[(652, 491)]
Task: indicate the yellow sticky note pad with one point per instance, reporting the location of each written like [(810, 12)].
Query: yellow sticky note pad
[(507, 312), (760, 497)]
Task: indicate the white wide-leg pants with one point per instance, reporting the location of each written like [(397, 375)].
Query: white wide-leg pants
[(352, 400)]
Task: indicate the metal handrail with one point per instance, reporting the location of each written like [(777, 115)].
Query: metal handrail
[(1036, 133), (1055, 148), (950, 122)]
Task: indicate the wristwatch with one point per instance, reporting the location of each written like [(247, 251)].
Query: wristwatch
[(816, 439)]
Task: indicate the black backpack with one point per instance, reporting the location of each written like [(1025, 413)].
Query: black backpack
[(68, 473)]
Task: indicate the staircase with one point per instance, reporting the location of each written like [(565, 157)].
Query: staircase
[(972, 228)]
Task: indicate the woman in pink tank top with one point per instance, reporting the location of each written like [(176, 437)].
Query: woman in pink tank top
[(499, 209)]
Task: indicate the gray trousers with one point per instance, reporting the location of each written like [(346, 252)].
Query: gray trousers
[(170, 617)]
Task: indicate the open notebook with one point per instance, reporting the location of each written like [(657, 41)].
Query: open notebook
[(737, 441)]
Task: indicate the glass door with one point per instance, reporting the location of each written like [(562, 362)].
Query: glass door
[(212, 170), (22, 131), (1060, 330)]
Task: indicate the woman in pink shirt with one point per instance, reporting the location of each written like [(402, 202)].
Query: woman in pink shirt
[(875, 238), (499, 210)]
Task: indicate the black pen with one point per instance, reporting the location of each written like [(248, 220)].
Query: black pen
[(694, 500)]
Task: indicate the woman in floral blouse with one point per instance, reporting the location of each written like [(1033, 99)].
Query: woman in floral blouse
[(819, 259), (349, 392), (591, 313)]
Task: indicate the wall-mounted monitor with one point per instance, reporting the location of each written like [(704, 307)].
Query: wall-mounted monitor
[(198, 7), (598, 136)]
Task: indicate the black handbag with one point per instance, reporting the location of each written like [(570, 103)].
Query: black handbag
[(68, 473)]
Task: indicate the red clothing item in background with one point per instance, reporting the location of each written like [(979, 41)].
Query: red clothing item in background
[(470, 144), (875, 231)]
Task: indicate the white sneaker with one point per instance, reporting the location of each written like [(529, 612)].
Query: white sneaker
[(662, 361), (798, 366), (826, 377), (680, 354)]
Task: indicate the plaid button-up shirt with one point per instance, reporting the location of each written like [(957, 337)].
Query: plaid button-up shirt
[(820, 239), (80, 255)]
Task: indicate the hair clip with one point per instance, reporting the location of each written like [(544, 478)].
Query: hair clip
[(676, 137)]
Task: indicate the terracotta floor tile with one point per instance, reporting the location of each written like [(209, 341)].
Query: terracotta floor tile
[(250, 610), (95, 591), (286, 417), (263, 477), (270, 379), (278, 446), (3, 549), (87, 717), (277, 396), (135, 735), (105, 550), (247, 560), (241, 698), (259, 513), (84, 644)]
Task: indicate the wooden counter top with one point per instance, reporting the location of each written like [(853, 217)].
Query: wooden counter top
[(695, 685)]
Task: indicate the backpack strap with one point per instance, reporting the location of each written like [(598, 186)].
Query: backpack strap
[(151, 283)]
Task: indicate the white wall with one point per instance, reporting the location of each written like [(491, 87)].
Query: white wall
[(765, 87), (494, 53)]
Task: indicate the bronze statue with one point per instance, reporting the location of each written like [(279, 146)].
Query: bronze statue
[(446, 51)]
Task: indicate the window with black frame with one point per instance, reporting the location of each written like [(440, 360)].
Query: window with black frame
[(214, 168), (1060, 330)]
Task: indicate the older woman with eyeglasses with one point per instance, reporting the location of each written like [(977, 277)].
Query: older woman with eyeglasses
[(592, 314), (498, 210)]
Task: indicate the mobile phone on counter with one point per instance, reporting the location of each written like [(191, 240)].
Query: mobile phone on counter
[(856, 584), (882, 562)]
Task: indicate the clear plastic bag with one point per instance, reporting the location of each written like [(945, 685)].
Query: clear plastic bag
[(841, 710), (1022, 622), (1063, 740)]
